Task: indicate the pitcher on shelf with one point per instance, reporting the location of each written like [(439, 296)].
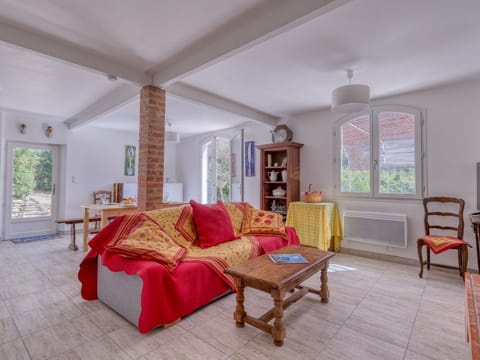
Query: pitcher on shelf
[(272, 175)]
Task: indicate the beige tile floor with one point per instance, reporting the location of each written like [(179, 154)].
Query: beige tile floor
[(377, 310)]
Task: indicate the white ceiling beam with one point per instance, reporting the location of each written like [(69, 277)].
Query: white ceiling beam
[(63, 51), (122, 95), (199, 96), (243, 33)]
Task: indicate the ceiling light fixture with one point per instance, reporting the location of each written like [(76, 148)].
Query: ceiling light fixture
[(351, 98)]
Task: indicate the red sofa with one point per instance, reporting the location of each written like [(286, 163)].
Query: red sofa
[(150, 294)]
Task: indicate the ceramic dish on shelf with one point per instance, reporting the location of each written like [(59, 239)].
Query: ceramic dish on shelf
[(279, 192)]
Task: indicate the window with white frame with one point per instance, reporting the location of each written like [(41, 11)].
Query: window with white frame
[(380, 154)]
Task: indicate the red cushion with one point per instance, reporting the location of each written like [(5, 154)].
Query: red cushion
[(438, 243), (213, 224)]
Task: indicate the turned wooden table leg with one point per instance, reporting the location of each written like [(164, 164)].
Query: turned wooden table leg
[(278, 330), (323, 284), (85, 229), (240, 313)]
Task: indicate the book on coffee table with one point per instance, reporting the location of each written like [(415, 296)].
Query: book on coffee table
[(288, 259)]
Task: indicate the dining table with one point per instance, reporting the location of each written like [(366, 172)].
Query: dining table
[(105, 211)]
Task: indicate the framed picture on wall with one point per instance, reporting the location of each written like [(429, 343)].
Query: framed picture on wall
[(130, 155), (250, 158)]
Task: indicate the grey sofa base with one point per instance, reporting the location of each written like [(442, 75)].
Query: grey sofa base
[(121, 292)]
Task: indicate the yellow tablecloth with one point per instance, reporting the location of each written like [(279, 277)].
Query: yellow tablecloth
[(317, 224)]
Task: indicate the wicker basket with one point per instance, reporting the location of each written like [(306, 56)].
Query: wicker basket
[(312, 196)]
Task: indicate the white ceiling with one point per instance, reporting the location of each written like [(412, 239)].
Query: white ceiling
[(257, 59), (393, 46)]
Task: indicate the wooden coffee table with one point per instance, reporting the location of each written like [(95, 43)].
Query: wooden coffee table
[(277, 279)]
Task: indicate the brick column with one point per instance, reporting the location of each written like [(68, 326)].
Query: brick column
[(151, 148)]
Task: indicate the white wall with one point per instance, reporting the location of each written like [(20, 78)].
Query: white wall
[(95, 160), (189, 167), (170, 161), (189, 162), (452, 130)]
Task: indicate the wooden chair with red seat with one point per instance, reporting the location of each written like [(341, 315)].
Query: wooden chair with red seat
[(437, 209)]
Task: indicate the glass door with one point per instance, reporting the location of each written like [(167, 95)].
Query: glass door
[(236, 165), (30, 194), (222, 167), (216, 172), (208, 172)]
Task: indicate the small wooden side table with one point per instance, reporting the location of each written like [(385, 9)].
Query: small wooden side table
[(263, 274)]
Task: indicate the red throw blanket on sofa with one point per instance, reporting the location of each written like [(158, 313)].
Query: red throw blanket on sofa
[(166, 296)]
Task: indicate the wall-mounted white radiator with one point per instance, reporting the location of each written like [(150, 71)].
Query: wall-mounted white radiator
[(375, 228)]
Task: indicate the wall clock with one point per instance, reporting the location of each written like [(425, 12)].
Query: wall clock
[(281, 133)]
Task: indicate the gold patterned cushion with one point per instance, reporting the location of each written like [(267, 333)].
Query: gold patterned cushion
[(170, 219), (262, 222), (144, 239), (186, 226), (236, 211)]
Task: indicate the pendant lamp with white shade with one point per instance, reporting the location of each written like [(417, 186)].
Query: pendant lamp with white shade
[(351, 98)]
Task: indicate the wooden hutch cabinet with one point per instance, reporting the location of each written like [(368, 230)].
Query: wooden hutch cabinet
[(279, 175)]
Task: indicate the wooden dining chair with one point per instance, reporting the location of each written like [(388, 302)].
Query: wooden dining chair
[(444, 215), (98, 197)]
